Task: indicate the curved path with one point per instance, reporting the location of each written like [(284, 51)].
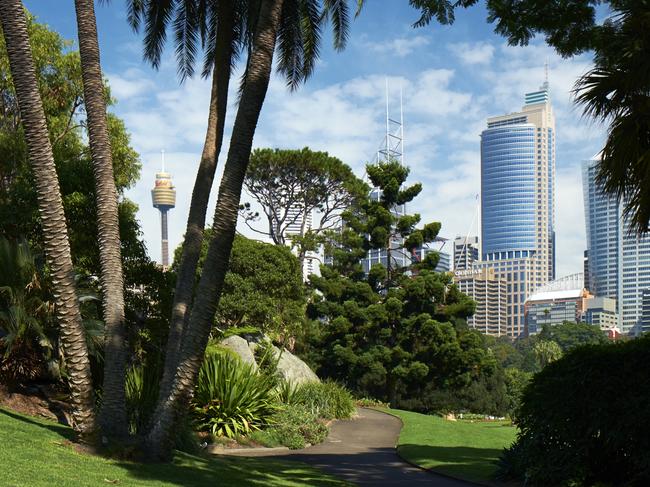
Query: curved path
[(362, 451)]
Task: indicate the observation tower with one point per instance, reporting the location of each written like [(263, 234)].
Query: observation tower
[(163, 196)]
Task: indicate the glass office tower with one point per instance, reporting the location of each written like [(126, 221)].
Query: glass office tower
[(518, 201), (619, 260)]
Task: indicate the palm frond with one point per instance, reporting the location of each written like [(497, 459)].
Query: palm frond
[(158, 16), (339, 14)]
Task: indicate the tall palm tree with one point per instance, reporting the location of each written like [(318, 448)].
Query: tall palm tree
[(112, 418), (215, 25), (57, 247), (617, 91), (190, 356), (295, 26)]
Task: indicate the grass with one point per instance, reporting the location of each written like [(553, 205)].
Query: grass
[(461, 449), (35, 452)]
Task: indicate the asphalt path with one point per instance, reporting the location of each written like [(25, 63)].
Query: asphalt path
[(362, 451)]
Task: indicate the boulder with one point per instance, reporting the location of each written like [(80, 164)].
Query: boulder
[(294, 370), (240, 346)]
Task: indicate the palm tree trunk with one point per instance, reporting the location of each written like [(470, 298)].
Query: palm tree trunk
[(195, 339), (201, 194), (50, 206), (112, 418)]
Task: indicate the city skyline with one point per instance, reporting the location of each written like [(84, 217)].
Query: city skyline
[(451, 79)]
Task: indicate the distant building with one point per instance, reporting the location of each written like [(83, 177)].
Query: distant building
[(619, 259), (518, 201), (559, 301), (490, 295), (466, 252), (300, 221), (444, 259), (645, 311), (585, 269), (601, 312)]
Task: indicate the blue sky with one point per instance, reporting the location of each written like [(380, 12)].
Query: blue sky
[(452, 78)]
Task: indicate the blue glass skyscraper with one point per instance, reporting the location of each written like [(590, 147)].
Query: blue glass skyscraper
[(518, 201)]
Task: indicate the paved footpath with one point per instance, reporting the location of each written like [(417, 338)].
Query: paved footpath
[(362, 451)]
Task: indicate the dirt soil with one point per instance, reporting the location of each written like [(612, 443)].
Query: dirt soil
[(41, 400)]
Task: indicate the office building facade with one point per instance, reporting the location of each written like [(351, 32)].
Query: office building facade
[(619, 259), (466, 252), (518, 201), (490, 295), (556, 302)]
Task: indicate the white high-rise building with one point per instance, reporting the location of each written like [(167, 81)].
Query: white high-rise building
[(619, 259)]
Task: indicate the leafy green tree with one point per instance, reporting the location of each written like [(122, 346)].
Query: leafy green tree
[(263, 290), (570, 335), (289, 185), (546, 351), (616, 91), (391, 333)]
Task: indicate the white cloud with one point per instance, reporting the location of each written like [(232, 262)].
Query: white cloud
[(131, 83), (473, 53), (400, 47)]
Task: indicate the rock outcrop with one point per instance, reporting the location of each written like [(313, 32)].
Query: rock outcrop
[(293, 369)]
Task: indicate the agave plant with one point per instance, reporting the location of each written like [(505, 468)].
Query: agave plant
[(232, 399)]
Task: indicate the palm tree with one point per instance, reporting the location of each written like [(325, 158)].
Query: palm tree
[(112, 419), (55, 236), (216, 25), (295, 25), (617, 91)]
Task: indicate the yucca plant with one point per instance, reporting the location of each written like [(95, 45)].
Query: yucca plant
[(232, 399)]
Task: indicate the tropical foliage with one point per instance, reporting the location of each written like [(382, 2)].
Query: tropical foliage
[(232, 398), (326, 400)]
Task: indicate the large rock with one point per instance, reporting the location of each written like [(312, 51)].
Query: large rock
[(294, 370), (291, 367), (240, 346)]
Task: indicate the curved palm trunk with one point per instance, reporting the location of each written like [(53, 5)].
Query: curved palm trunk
[(112, 418), (195, 339), (50, 206), (201, 193)]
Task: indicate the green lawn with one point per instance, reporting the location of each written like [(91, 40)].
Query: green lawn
[(35, 453), (458, 448)]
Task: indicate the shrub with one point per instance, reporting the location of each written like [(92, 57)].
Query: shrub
[(326, 400), (231, 398), (368, 402), (141, 386), (295, 426), (585, 419)]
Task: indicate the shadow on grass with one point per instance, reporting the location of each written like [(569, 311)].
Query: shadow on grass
[(59, 429), (471, 463), (191, 471)]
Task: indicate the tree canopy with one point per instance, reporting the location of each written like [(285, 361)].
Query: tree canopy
[(397, 334), (263, 289)]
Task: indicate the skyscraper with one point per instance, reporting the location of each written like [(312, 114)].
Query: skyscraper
[(619, 260), (465, 252), (518, 201), (163, 196)]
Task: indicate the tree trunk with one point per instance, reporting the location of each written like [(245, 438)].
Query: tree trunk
[(158, 441), (201, 193), (112, 418), (50, 206)]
